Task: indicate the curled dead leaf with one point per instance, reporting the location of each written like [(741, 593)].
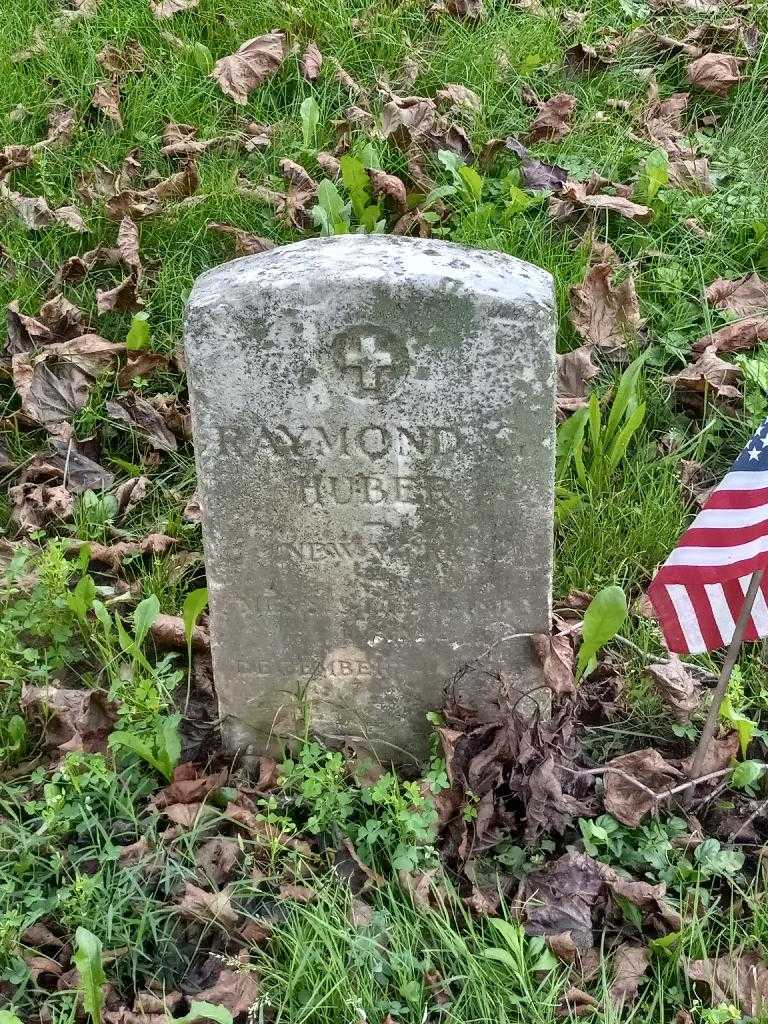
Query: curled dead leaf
[(252, 64), (163, 9), (71, 719), (630, 962), (210, 907), (553, 121), (574, 371), (106, 98), (388, 186), (536, 174), (677, 687), (246, 244), (556, 656), (708, 375), (604, 314), (714, 72), (138, 414), (742, 979), (627, 780), (35, 213), (311, 62)]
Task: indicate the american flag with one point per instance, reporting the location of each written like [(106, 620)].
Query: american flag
[(699, 591)]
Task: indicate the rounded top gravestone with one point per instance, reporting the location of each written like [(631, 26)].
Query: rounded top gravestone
[(374, 434)]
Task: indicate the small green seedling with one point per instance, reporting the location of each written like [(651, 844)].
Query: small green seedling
[(204, 1011), (602, 620), (310, 118), (138, 336), (87, 958)]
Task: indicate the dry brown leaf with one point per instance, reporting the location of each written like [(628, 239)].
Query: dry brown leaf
[(136, 203), (743, 296), (737, 337), (574, 370), (297, 893), (106, 98), (163, 9), (138, 414), (35, 213), (576, 197), (311, 62), (254, 62), (35, 505), (691, 175), (113, 554), (72, 719), (721, 752), (246, 244), (141, 364), (388, 186), (122, 60), (714, 72), (536, 174), (553, 121), (123, 298), (732, 978), (413, 121), (168, 634), (211, 907), (237, 991), (472, 10), (626, 801), (583, 59), (14, 158), (131, 492), (295, 203), (677, 686), (556, 656), (218, 859), (604, 314), (61, 122), (188, 786), (630, 962), (709, 374), (51, 390), (458, 97)]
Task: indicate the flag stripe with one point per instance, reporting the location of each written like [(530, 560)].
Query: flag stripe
[(723, 498), (699, 592), (704, 556), (686, 615), (730, 518)]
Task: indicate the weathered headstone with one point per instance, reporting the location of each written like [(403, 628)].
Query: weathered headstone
[(374, 430)]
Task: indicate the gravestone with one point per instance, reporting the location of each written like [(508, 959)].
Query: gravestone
[(374, 433)]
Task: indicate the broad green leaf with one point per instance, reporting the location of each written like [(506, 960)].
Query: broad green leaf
[(602, 620), (357, 183), (192, 609), (511, 933), (137, 745), (81, 599), (170, 738), (625, 435), (204, 1011), (145, 614), (746, 773), (743, 725), (6, 1017), (330, 201), (654, 175), (503, 956), (310, 118), (595, 421), (202, 56), (102, 614), (138, 334), (570, 434), (472, 180), (625, 394), (87, 958)]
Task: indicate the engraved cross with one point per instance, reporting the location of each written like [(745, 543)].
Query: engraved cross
[(368, 360)]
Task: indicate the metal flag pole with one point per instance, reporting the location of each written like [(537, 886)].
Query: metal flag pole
[(731, 656)]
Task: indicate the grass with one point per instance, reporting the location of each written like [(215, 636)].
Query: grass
[(62, 826)]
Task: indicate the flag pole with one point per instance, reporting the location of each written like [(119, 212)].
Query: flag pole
[(731, 657)]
